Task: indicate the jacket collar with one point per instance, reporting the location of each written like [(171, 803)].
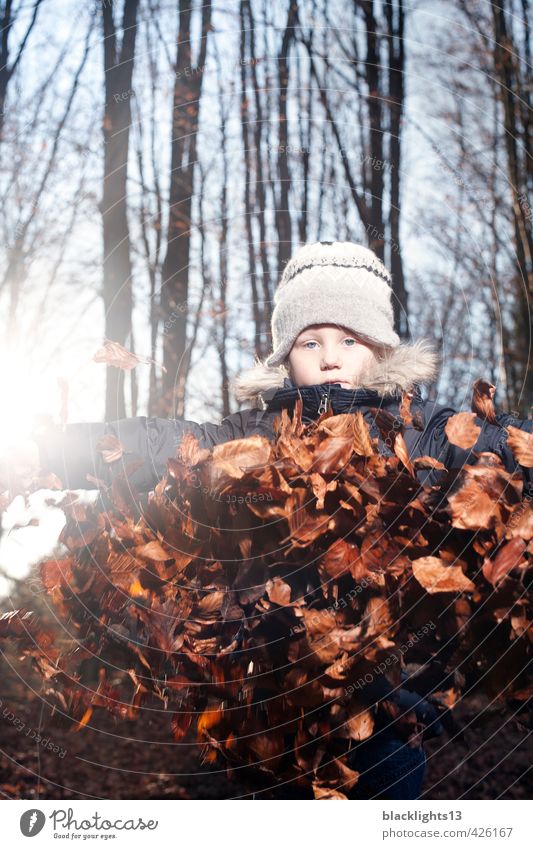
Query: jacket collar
[(316, 399), (398, 370)]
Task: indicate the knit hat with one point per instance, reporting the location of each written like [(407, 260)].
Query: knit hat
[(332, 283)]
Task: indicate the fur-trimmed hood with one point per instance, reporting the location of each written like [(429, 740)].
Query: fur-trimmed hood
[(396, 370)]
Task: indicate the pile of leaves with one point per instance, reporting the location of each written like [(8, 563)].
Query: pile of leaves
[(264, 587)]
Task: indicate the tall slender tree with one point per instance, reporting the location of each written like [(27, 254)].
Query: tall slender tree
[(117, 283), (188, 80)]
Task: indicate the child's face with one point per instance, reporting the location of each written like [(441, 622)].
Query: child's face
[(325, 353)]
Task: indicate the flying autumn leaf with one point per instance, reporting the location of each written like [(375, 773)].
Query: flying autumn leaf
[(521, 444), (235, 457), (110, 448), (472, 508), (115, 354), (509, 557), (437, 577), (360, 722), (278, 591), (461, 430), (482, 400)]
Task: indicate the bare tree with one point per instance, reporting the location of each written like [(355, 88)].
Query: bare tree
[(9, 63), (374, 91), (283, 212), (514, 93), (117, 283), (175, 283)]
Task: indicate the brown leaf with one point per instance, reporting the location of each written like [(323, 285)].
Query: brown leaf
[(180, 723), (211, 603), (153, 551), (428, 463), (338, 560), (405, 409), (520, 523), (236, 456), (362, 441), (115, 354), (482, 400), (521, 444), (54, 573), (321, 487), (461, 430), (322, 793), (509, 557), (472, 508), (437, 577), (278, 591), (401, 451), (377, 617), (189, 450), (333, 453), (110, 448), (360, 722)]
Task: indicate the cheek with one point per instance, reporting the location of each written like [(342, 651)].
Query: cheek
[(363, 355)]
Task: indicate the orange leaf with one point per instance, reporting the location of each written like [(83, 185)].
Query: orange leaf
[(110, 448), (521, 444), (115, 354), (508, 557), (240, 454), (278, 591), (153, 551), (84, 720), (482, 405), (360, 724), (437, 577), (208, 719), (461, 430)]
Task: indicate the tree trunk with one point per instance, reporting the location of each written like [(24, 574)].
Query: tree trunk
[(117, 283), (395, 21), (283, 215), (175, 271), (517, 146)]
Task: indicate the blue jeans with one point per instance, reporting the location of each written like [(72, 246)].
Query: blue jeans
[(388, 767)]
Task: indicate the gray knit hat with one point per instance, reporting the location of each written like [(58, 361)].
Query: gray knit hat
[(332, 283)]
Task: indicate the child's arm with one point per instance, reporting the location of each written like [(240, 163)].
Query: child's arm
[(493, 437), (75, 451)]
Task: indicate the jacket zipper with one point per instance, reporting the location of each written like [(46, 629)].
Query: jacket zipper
[(323, 406)]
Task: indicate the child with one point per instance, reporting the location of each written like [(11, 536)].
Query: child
[(333, 344)]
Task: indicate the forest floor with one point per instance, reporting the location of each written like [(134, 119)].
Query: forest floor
[(140, 760)]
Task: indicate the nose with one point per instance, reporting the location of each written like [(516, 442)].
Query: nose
[(330, 359)]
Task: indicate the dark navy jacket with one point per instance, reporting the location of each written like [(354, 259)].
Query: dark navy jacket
[(72, 453)]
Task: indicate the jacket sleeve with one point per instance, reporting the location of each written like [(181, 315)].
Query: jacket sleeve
[(72, 453), (493, 437)]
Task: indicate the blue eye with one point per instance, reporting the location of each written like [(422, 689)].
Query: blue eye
[(351, 341), (310, 342)]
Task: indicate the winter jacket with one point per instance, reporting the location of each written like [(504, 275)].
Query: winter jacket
[(148, 442)]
